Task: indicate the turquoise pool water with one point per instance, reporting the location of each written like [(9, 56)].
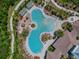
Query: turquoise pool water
[(76, 52), (44, 24)]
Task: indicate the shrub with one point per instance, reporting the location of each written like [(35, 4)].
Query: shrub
[(51, 48)]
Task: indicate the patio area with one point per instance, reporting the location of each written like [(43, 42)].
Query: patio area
[(65, 43)]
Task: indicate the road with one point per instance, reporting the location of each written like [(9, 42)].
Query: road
[(11, 27)]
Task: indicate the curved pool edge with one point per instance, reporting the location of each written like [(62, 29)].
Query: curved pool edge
[(29, 50), (27, 40)]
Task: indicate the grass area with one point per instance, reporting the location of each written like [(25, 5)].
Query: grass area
[(6, 8), (39, 2), (18, 52), (64, 1), (25, 33), (23, 5), (18, 44), (75, 2), (5, 37), (69, 4), (56, 11), (67, 26)]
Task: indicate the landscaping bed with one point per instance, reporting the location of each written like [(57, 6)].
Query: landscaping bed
[(53, 10), (69, 4)]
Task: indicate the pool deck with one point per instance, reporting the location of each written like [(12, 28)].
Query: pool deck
[(48, 43), (65, 43), (62, 46)]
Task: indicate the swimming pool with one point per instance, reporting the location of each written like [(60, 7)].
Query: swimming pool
[(76, 51), (43, 24)]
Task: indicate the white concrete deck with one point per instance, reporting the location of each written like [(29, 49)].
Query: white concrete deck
[(48, 43)]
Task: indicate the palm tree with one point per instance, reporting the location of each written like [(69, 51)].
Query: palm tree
[(59, 33), (25, 33), (67, 26), (51, 48)]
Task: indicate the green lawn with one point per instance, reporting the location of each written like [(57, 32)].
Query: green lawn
[(18, 52), (5, 38), (69, 4), (56, 11), (64, 1)]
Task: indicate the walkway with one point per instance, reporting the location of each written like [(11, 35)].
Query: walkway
[(47, 43), (63, 8), (11, 28), (71, 19)]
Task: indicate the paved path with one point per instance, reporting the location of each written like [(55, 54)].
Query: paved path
[(70, 19), (12, 35), (67, 10), (11, 27), (48, 43)]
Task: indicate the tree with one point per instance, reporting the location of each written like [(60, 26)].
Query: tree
[(77, 37), (67, 26), (59, 33), (51, 48), (25, 33), (63, 57)]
